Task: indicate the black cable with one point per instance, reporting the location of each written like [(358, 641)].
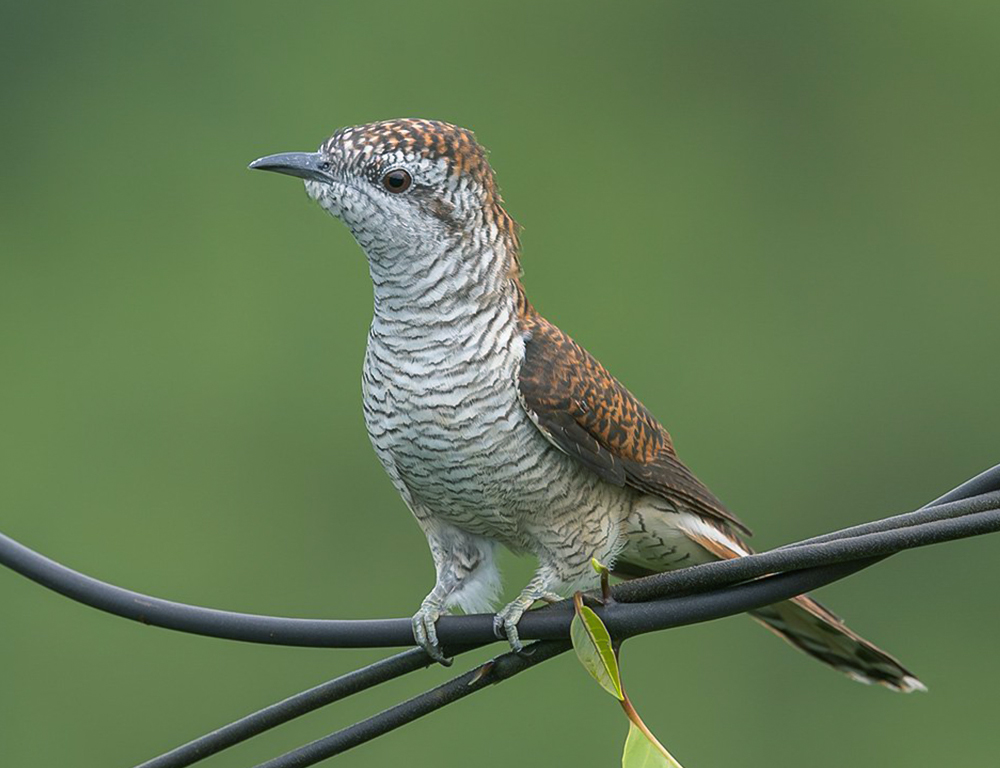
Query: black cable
[(878, 544), (748, 596), (986, 481), (662, 614), (652, 617), (947, 521), (936, 510), (288, 709), (971, 509), (501, 668)]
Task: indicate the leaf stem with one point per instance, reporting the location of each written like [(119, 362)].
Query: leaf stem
[(634, 717)]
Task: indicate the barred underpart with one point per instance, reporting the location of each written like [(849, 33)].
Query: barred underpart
[(495, 426)]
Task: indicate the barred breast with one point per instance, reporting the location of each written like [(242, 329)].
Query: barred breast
[(442, 410)]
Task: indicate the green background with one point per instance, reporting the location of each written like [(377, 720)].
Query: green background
[(776, 222)]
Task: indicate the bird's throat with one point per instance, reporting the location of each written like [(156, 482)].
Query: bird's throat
[(444, 284)]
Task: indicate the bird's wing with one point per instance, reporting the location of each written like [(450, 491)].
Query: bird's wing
[(587, 413)]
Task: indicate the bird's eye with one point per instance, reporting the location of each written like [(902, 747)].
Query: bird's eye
[(397, 180)]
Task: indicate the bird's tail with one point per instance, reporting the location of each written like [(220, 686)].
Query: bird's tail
[(662, 538), (810, 627)]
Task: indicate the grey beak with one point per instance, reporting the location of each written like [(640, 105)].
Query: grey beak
[(305, 165)]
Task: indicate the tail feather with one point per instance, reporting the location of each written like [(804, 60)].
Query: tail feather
[(657, 531), (805, 624)]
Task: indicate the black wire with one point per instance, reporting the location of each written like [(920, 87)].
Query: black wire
[(958, 519), (968, 510), (936, 510), (973, 522), (501, 668), (294, 706), (749, 596), (986, 481), (663, 614)]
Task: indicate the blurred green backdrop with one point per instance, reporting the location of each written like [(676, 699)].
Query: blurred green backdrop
[(796, 203)]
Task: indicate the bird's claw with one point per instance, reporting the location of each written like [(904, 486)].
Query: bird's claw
[(505, 626), (425, 633)]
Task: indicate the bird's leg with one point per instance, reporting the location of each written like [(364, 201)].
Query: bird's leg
[(551, 598), (505, 622), (466, 576), (424, 621)]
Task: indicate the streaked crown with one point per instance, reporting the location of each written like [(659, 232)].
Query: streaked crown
[(413, 139)]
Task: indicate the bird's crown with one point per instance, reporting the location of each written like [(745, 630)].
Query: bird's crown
[(413, 139)]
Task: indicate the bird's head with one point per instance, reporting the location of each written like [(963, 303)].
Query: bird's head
[(405, 188)]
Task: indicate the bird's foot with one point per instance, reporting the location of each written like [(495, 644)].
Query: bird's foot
[(425, 632), (505, 622)]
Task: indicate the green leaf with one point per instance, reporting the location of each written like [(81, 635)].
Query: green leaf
[(592, 644), (598, 566), (640, 752)]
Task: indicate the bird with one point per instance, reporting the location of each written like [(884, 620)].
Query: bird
[(495, 427)]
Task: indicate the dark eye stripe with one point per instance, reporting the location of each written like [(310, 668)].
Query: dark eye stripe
[(397, 180)]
